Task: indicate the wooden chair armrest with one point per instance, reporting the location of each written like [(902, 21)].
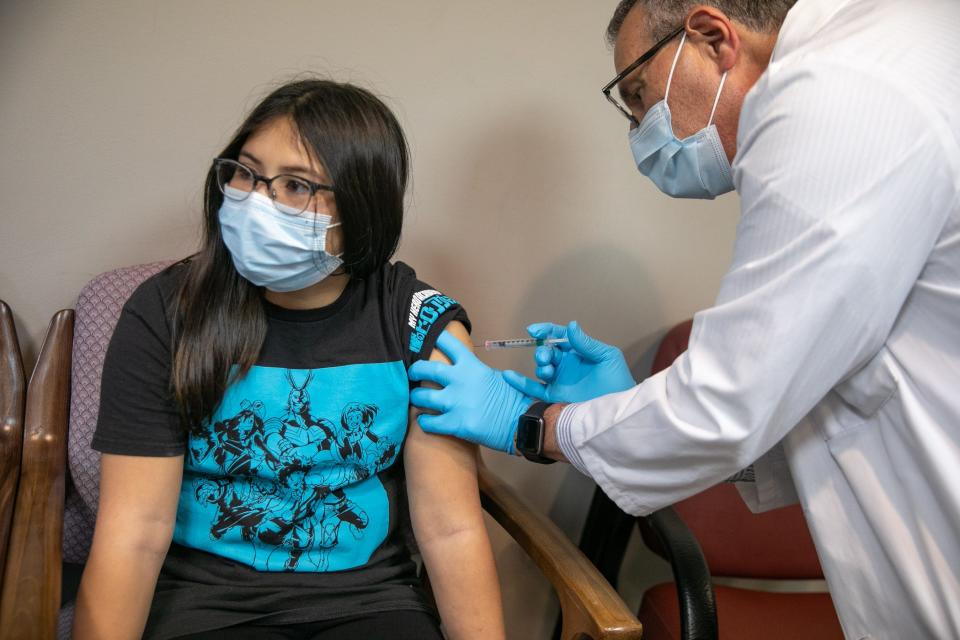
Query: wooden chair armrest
[(31, 596), (13, 389), (590, 607)]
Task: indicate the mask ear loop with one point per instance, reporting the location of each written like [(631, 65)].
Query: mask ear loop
[(326, 229), (716, 100), (332, 226), (673, 68)]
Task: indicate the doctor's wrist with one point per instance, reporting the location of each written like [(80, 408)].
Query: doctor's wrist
[(564, 430), (551, 445)]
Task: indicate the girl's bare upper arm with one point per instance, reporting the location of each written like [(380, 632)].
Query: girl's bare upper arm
[(441, 473)]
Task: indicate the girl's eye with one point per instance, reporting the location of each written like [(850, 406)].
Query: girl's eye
[(238, 177), (295, 187)]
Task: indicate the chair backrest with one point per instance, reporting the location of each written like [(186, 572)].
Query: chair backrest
[(13, 393), (97, 311), (737, 543), (31, 595)]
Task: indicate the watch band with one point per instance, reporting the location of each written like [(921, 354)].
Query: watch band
[(537, 409)]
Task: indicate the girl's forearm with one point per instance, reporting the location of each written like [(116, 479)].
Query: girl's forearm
[(464, 580), (115, 594)]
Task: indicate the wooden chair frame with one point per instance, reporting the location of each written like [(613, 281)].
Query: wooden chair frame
[(13, 391), (30, 600)]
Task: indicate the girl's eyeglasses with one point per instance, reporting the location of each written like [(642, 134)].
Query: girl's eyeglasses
[(290, 194)]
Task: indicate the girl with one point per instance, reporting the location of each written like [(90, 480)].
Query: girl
[(260, 460)]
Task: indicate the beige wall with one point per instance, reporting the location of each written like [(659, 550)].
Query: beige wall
[(525, 204)]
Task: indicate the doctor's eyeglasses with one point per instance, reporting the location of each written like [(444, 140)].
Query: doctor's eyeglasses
[(607, 90), (290, 194)]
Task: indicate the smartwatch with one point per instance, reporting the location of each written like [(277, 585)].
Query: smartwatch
[(530, 428)]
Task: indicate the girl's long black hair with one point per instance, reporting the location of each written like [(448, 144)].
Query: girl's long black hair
[(219, 321)]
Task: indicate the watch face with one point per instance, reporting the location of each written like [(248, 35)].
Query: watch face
[(528, 434)]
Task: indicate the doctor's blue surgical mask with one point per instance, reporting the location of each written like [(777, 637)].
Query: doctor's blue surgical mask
[(275, 250), (695, 167)]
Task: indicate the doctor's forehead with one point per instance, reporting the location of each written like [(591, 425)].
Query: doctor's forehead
[(633, 40)]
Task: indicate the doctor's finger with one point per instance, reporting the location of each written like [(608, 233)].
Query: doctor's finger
[(586, 345), (433, 424), (452, 347), (432, 371), (548, 330), (548, 355), (525, 385), (543, 356), (433, 399), (557, 354), (543, 330), (547, 373)]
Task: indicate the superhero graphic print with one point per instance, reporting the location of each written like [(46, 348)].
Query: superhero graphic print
[(285, 475)]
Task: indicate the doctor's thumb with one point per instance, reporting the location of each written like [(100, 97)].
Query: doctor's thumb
[(588, 347)]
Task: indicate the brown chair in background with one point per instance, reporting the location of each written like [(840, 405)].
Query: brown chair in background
[(591, 608), (709, 535), (13, 390)]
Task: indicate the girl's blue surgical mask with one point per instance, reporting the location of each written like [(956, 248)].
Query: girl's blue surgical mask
[(695, 167), (275, 250)]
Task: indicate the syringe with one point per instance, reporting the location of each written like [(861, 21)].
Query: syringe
[(518, 343)]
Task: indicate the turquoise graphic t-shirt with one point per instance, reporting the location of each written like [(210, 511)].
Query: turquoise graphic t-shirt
[(287, 476), (293, 491)]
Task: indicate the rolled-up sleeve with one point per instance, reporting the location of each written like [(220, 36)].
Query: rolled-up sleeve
[(844, 186)]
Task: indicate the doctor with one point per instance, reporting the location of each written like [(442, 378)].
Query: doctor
[(831, 358)]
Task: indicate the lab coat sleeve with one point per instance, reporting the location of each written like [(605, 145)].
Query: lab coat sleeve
[(838, 175)]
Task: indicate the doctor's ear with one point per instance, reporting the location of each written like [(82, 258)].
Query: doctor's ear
[(711, 27)]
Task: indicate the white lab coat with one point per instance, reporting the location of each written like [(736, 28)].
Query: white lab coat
[(831, 358)]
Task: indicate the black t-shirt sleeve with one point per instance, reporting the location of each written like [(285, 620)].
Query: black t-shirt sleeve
[(423, 313), (138, 415)]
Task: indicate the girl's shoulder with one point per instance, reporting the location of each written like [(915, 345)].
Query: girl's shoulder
[(154, 299), (401, 282), (393, 283), (396, 273), (421, 310)]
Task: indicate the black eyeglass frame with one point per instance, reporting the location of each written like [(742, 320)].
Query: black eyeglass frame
[(652, 51), (257, 178)]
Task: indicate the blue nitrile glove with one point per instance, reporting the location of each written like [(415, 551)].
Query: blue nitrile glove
[(476, 404), (582, 369)]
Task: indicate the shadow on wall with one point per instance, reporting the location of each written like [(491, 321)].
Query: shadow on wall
[(519, 227), (524, 191), (515, 233), (606, 290)]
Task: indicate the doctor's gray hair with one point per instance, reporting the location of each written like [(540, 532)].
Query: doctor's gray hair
[(763, 16)]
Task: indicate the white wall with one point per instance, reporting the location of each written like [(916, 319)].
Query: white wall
[(525, 204)]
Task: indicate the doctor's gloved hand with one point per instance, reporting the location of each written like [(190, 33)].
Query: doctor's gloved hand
[(582, 369), (475, 404)]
